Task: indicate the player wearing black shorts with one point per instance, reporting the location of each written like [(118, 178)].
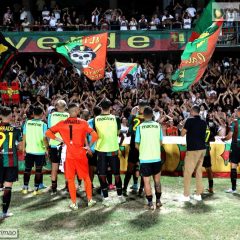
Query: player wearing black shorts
[(107, 127), (133, 158), (148, 140), (9, 137), (35, 145), (54, 146), (234, 134), (210, 133)]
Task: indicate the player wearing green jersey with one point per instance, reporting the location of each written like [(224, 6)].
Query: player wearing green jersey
[(148, 140), (54, 145), (9, 136), (107, 127), (35, 145), (234, 134)]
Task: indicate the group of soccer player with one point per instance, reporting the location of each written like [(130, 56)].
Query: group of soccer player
[(91, 148)]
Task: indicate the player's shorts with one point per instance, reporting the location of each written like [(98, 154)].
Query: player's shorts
[(235, 153), (133, 156), (8, 174), (150, 169), (92, 160), (104, 161), (207, 162), (55, 154), (207, 158), (31, 159)]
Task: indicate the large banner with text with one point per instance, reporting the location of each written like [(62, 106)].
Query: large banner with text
[(118, 41)]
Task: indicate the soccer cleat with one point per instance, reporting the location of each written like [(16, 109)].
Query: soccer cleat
[(150, 206), (134, 187), (106, 202), (36, 192), (197, 197), (210, 190), (73, 206), (53, 192), (91, 203), (6, 215), (230, 191), (158, 204), (42, 186), (124, 192), (24, 191), (121, 199), (184, 199)]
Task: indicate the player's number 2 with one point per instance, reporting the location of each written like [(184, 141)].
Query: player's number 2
[(3, 138)]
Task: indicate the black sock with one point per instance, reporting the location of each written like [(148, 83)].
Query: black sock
[(142, 184), (7, 193), (126, 180), (79, 181), (135, 179), (38, 177), (109, 177), (26, 176), (118, 182), (158, 196), (54, 185), (149, 198), (104, 186), (41, 178), (210, 183), (234, 178)]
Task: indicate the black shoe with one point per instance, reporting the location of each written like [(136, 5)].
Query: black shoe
[(150, 206), (124, 193), (158, 204), (140, 192)]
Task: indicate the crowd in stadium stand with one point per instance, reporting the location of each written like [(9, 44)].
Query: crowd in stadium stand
[(45, 81), (54, 18)]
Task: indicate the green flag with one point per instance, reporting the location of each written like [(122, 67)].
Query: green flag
[(198, 51)]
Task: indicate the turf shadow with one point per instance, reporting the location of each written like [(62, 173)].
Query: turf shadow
[(44, 201), (145, 220), (197, 208), (18, 199), (82, 219)]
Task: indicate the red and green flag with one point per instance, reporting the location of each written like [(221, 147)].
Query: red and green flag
[(198, 50), (7, 52), (87, 54)]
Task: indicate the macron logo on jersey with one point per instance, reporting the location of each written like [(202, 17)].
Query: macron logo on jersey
[(106, 118), (35, 124), (60, 115), (149, 126)]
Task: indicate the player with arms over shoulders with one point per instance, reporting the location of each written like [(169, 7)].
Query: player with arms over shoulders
[(9, 136), (135, 120), (73, 132)]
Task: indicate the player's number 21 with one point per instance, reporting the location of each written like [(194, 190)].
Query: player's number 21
[(3, 138)]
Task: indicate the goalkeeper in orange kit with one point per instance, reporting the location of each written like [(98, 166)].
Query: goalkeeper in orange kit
[(73, 131)]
